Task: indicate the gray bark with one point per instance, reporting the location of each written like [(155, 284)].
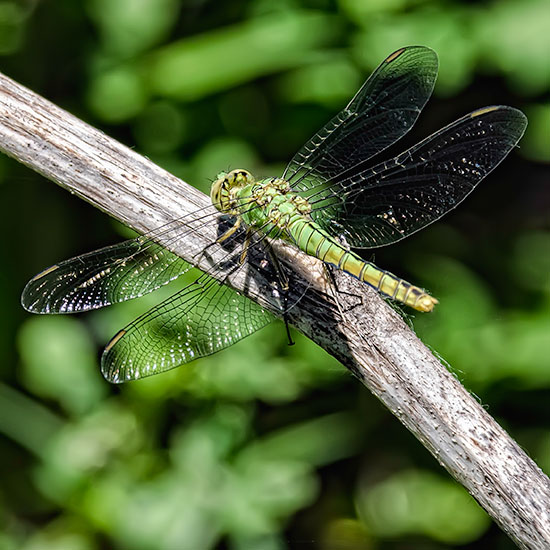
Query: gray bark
[(371, 339)]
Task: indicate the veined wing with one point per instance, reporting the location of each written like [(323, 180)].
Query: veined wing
[(390, 201), (112, 274), (107, 276), (199, 320), (383, 110)]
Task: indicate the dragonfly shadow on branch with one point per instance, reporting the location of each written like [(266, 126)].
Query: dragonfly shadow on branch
[(281, 273)]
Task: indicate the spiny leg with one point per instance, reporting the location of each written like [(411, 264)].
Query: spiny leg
[(328, 270), (281, 275), (335, 290), (230, 231), (283, 280), (223, 237), (246, 244), (287, 327)]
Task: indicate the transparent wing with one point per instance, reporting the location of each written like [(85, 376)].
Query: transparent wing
[(101, 278), (201, 319), (382, 111), (386, 203), (112, 274)]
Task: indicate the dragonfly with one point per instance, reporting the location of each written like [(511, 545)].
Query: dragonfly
[(333, 197)]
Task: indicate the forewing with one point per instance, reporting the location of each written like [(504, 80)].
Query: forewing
[(386, 203), (201, 319), (383, 110), (110, 275)]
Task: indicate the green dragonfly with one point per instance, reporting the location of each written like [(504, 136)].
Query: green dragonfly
[(328, 199)]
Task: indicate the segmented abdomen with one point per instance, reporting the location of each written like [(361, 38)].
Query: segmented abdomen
[(316, 242)]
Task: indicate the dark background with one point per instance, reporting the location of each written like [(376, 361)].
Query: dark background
[(264, 446)]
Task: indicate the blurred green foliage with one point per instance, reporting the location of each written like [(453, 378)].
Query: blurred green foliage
[(264, 446), (413, 501)]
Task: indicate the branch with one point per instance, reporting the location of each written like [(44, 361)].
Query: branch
[(372, 341)]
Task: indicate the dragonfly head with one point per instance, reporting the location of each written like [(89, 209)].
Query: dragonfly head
[(223, 192)]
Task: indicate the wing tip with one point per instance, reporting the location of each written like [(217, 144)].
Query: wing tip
[(501, 108), (112, 375), (418, 48), (45, 272), (516, 119), (29, 300), (114, 340), (394, 55), (483, 111)]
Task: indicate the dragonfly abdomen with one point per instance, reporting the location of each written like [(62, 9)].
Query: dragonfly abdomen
[(394, 287), (316, 242)]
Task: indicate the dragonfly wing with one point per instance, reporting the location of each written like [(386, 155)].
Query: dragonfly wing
[(201, 319), (115, 273), (390, 201), (110, 275), (383, 110)]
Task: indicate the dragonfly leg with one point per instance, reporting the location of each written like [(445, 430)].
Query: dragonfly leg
[(288, 335), (283, 281), (230, 231), (223, 237), (281, 275), (335, 290), (245, 245)]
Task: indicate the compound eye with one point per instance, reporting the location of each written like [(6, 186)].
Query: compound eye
[(216, 191), (240, 177)]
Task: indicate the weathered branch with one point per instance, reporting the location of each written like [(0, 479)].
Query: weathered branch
[(371, 340)]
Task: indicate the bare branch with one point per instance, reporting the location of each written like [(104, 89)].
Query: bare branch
[(371, 340)]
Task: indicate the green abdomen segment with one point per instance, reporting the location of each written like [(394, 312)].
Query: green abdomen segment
[(316, 242)]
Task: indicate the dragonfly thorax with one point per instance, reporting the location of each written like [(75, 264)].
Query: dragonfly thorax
[(271, 203), (225, 189), (256, 202)]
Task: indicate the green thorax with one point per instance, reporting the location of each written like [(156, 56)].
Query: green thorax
[(270, 206)]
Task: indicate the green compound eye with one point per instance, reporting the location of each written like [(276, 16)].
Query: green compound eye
[(224, 190)]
